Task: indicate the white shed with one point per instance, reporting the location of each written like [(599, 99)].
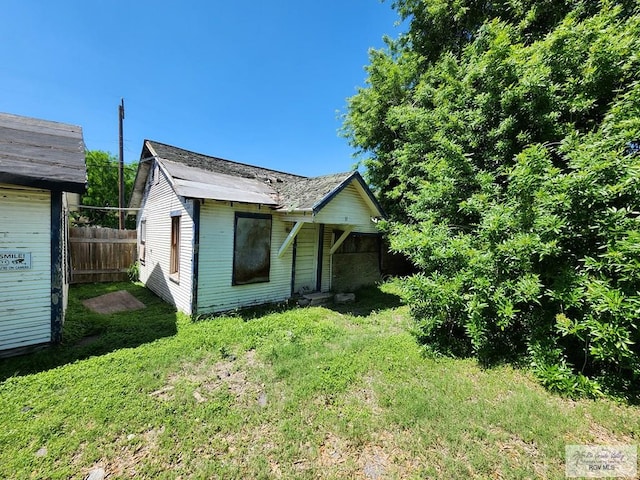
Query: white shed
[(215, 235), (39, 162)]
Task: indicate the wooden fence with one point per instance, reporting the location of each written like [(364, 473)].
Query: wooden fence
[(100, 254)]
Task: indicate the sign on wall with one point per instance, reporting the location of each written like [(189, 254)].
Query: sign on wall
[(14, 260)]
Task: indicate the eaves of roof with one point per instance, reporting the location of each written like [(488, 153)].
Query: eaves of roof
[(195, 175)]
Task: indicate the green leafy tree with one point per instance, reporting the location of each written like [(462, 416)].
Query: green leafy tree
[(502, 137), (102, 189)]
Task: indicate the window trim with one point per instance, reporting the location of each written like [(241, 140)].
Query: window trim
[(143, 240), (257, 216), (174, 249)]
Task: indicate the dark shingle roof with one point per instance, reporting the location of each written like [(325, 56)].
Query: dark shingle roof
[(305, 193), (281, 190), (42, 154), (215, 164)]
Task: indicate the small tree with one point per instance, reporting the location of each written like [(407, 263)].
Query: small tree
[(102, 190)]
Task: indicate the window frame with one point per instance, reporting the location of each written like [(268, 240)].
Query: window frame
[(143, 240), (236, 278), (174, 249)]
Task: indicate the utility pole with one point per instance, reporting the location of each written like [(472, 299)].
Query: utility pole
[(121, 169)]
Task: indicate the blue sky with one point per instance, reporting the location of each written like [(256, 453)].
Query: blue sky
[(257, 82)]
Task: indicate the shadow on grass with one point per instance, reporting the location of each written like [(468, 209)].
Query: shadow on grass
[(88, 334), (368, 300)]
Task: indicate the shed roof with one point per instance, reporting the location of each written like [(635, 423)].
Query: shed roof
[(196, 175), (42, 154)]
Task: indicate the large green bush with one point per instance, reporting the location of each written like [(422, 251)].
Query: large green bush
[(503, 139)]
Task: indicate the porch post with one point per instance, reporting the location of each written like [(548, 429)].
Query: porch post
[(320, 258)]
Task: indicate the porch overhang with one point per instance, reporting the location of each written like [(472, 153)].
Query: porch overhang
[(298, 226)]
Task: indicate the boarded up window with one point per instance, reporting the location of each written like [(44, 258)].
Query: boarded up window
[(251, 248), (174, 262)]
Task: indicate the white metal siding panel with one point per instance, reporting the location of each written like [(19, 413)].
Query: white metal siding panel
[(25, 295), (215, 291), (348, 208), (160, 200), (306, 258)]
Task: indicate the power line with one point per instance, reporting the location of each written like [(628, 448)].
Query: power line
[(130, 167), (93, 207)]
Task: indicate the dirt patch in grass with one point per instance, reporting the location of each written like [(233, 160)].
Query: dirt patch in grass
[(603, 436), (334, 451), (224, 375), (163, 393), (382, 457), (517, 448), (519, 452), (133, 450), (251, 445), (364, 394), (596, 434)]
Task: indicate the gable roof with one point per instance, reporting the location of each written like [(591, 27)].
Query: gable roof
[(313, 193), (42, 154), (215, 164), (195, 175)]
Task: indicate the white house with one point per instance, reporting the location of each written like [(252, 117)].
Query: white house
[(215, 235), (39, 162)]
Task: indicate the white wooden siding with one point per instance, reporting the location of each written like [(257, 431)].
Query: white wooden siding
[(25, 295), (215, 290), (348, 208), (327, 259), (158, 205), (306, 258)]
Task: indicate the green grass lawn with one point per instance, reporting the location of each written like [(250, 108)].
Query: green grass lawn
[(299, 393)]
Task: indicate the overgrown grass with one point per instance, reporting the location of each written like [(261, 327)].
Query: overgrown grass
[(297, 393)]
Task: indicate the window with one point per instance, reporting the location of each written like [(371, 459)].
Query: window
[(251, 248), (143, 239), (174, 260)]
